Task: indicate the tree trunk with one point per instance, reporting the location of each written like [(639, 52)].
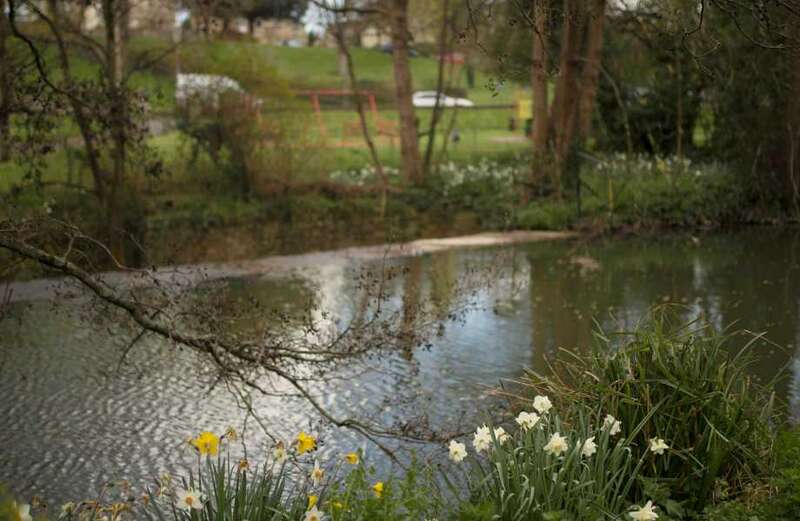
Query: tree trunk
[(5, 88), (341, 43), (541, 123), (793, 133), (437, 109), (409, 145), (81, 119), (115, 15), (564, 106), (591, 68)]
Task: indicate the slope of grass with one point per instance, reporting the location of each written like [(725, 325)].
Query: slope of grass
[(305, 68)]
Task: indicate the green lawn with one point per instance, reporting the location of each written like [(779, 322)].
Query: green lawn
[(481, 132), (316, 67)]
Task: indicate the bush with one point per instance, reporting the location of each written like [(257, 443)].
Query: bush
[(546, 215), (780, 500), (250, 134), (666, 191), (686, 384)]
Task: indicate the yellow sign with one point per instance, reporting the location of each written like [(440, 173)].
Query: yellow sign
[(524, 109)]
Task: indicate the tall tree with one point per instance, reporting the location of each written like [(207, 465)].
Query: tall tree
[(349, 71), (592, 66), (558, 124), (397, 13), (444, 45), (5, 86), (104, 109)]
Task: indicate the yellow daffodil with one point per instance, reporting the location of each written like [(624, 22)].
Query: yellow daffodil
[(351, 458), (378, 488), (244, 464), (305, 443), (337, 504), (312, 501), (207, 443)]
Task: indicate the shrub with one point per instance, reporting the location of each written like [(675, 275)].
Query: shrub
[(780, 500), (546, 215), (686, 384), (250, 133)]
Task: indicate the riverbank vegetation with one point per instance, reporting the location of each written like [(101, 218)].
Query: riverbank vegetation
[(649, 145), (661, 423)]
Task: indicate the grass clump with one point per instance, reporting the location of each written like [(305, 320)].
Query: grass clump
[(224, 490), (685, 384), (780, 500)]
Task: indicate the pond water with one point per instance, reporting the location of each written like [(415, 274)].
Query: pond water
[(73, 418)]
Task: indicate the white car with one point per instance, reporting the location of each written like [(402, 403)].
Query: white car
[(427, 98)]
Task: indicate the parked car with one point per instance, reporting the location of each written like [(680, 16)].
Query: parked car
[(427, 98)]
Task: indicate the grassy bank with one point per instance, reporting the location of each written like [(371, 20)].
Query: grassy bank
[(193, 213), (669, 427)]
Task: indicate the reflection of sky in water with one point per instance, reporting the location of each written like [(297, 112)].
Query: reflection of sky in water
[(72, 421)]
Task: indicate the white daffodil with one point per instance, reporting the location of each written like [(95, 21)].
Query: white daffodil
[(612, 425), (658, 446), (527, 420), (482, 439), (458, 451), (316, 474), (645, 513), (557, 445), (501, 435), (279, 453), (313, 514), (188, 499), (589, 447), (23, 511), (542, 404)]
